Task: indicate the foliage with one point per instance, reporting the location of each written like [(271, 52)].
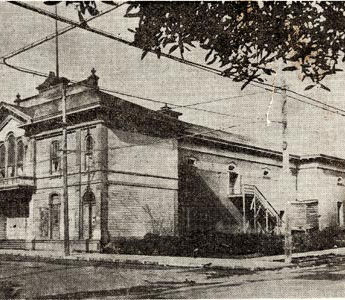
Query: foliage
[(200, 244), (246, 38), (318, 240)]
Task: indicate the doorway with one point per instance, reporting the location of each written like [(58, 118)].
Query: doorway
[(55, 206), (89, 214)]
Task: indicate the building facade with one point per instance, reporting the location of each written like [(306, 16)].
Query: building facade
[(133, 171)]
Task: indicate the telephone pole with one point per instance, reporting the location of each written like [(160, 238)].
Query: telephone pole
[(64, 146), (286, 174), (65, 174), (56, 43)]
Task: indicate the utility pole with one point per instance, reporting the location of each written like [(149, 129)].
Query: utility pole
[(64, 146), (56, 43), (286, 174), (65, 174)]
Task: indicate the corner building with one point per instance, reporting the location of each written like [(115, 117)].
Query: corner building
[(133, 171)]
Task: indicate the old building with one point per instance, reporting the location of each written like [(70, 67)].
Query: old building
[(132, 171)]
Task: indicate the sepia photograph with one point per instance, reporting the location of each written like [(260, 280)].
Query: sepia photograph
[(172, 149)]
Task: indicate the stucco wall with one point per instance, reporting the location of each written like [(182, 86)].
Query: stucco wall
[(250, 167), (320, 181), (142, 176)]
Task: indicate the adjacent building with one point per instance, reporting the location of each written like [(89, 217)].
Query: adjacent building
[(133, 171)]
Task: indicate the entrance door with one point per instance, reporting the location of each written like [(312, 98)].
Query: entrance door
[(55, 206), (55, 222), (89, 213), (89, 219)]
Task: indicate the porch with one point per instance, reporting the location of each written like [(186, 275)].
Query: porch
[(15, 196)]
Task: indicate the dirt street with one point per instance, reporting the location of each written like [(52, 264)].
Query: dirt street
[(18, 279)]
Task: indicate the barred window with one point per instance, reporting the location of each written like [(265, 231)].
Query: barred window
[(55, 157)]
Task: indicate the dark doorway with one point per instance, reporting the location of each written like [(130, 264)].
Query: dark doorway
[(55, 206)]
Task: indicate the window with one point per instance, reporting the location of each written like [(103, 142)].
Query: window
[(234, 180), (55, 157), (89, 213), (88, 151), (266, 173), (55, 216), (340, 181), (2, 161), (11, 156), (340, 213), (191, 161), (20, 157)]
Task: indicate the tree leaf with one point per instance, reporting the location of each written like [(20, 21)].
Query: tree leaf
[(51, 2), (309, 87), (291, 68), (144, 54), (268, 71), (173, 48), (325, 87), (208, 54)]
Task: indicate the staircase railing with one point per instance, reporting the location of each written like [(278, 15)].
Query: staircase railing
[(252, 189)]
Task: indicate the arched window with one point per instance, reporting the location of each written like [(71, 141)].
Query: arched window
[(89, 142), (89, 213), (20, 157), (2, 160), (55, 157), (11, 156)]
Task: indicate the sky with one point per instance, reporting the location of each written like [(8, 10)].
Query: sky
[(120, 68)]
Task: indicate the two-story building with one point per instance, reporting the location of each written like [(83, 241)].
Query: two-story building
[(133, 171)]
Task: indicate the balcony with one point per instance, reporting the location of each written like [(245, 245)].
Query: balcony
[(17, 183)]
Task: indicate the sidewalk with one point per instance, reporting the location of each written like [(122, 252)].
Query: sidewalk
[(258, 263)]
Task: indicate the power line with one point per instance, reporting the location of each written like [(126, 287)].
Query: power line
[(53, 35), (161, 140), (188, 106), (190, 63)]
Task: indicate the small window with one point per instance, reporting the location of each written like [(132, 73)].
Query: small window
[(2, 160), (191, 161), (234, 180), (89, 142), (11, 156), (20, 157), (55, 157), (232, 167), (266, 173), (340, 213), (340, 181)]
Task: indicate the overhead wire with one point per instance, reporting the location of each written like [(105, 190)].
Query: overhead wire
[(55, 34), (75, 25), (162, 140), (184, 61)]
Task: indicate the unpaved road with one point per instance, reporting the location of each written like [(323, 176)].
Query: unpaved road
[(58, 281)]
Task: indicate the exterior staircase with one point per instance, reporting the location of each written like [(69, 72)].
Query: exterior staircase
[(254, 211)]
